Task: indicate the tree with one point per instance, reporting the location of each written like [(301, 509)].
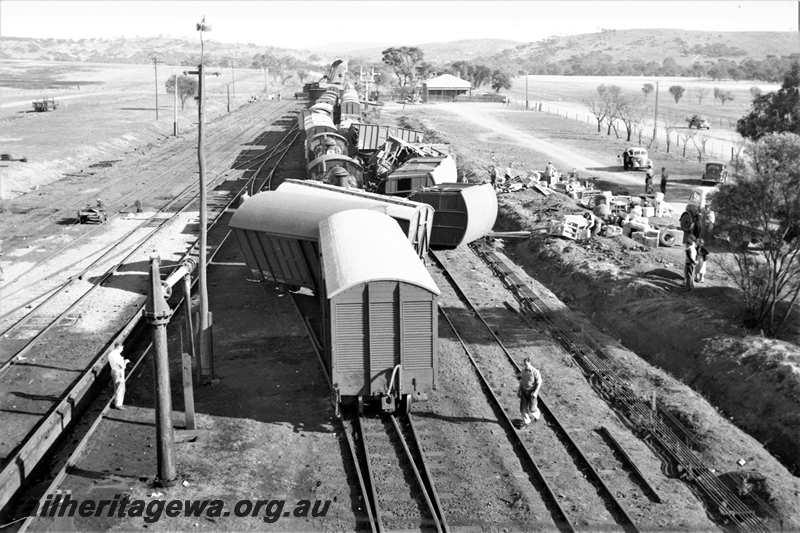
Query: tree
[(647, 88), (500, 80), (611, 96), (404, 61), (187, 86), (722, 96), (700, 93), (598, 107), (481, 75), (630, 110), (775, 111), (765, 204), (302, 75), (677, 92), (425, 70), (603, 104)]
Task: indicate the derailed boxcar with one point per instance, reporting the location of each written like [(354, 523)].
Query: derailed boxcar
[(414, 218), (379, 311), (463, 212), (278, 231), (418, 173)]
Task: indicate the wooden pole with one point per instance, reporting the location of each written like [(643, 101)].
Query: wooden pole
[(654, 142), (526, 91), (155, 71), (175, 108), (202, 289)]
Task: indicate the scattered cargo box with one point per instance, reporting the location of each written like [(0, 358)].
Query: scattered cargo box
[(379, 312), (418, 173), (463, 212)]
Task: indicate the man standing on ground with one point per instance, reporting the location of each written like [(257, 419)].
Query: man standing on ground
[(648, 181), (702, 261), (664, 178), (530, 381), (691, 261), (117, 364)]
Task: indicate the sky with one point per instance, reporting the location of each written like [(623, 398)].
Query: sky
[(304, 24)]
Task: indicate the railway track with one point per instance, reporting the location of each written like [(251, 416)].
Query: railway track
[(395, 489), (660, 430), (130, 243), (59, 397), (397, 486), (160, 186), (572, 487)]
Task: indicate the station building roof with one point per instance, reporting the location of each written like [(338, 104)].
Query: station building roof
[(359, 246), (447, 81)]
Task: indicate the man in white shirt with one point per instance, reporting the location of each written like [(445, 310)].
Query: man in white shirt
[(117, 364)]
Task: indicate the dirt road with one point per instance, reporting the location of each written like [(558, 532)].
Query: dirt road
[(490, 117)]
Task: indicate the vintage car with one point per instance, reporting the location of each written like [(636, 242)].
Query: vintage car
[(636, 158), (696, 121), (716, 172)]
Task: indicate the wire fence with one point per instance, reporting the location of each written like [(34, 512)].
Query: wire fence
[(691, 144)]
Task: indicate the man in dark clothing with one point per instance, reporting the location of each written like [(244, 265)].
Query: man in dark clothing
[(691, 261), (648, 182), (664, 178)]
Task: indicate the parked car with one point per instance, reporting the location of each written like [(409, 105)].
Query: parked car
[(696, 121), (716, 172), (636, 158)]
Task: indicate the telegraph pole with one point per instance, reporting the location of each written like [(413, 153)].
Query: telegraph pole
[(655, 119), (526, 91), (175, 108), (204, 330), (233, 81), (155, 71)]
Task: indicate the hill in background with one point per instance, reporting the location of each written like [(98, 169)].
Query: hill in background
[(656, 51), (446, 52), (139, 50)]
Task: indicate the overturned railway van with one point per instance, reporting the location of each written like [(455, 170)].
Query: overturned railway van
[(463, 212), (278, 231), (418, 173), (379, 312), (414, 218)]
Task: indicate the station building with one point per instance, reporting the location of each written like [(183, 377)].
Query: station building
[(444, 88)]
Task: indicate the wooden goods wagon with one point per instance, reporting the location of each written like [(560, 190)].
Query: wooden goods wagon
[(463, 212), (379, 312), (278, 231)]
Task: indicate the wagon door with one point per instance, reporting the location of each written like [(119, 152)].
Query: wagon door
[(418, 338), (384, 336), (348, 342)]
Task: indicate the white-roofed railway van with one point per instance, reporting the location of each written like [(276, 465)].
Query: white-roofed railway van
[(278, 231), (379, 311)]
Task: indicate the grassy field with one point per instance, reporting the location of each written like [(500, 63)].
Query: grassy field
[(576, 89), (104, 111)]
